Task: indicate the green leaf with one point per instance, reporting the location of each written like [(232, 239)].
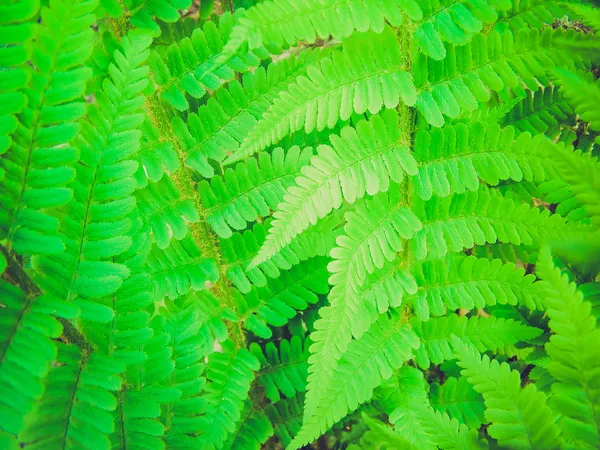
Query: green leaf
[(362, 77), (349, 169), (484, 333), (368, 360), (520, 417), (576, 393)]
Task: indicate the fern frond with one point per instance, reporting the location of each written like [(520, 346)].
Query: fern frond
[(145, 395), (580, 172), (189, 348), (156, 157), (280, 300), (77, 408), (192, 65), (520, 417), (37, 166), (286, 418), (380, 436), (27, 323), (472, 283), (361, 78), (484, 333), (143, 14), (583, 92), (239, 251), (360, 161), (586, 13), (452, 21), (17, 29), (283, 369), (498, 62), (142, 345), (368, 360), (212, 315), (385, 288), (540, 112), (124, 337), (374, 233), (229, 375), (180, 268), (448, 433), (558, 192), (574, 355), (402, 399), (95, 224), (457, 398), (531, 14), (253, 430), (252, 190), (455, 159), (279, 24), (164, 211), (462, 221), (405, 401), (233, 111)]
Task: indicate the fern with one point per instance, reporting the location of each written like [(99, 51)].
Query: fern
[(165, 212), (229, 376), (278, 24), (286, 417), (349, 224), (531, 424), (180, 268), (586, 13), (385, 342), (189, 349), (374, 233), (37, 167), (253, 431), (356, 80), (582, 92), (495, 63), (540, 112), (402, 398), (240, 249), (284, 369), (448, 433), (356, 255), (380, 436), (253, 190), (469, 283), (579, 173), (457, 398), (26, 323), (17, 32), (145, 12), (95, 224), (192, 65), (418, 423), (534, 13), (484, 333), (78, 402), (279, 301), (576, 393), (221, 125), (340, 171), (497, 220), (453, 22), (454, 159)]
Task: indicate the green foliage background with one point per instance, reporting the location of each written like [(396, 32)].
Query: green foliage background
[(349, 224)]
